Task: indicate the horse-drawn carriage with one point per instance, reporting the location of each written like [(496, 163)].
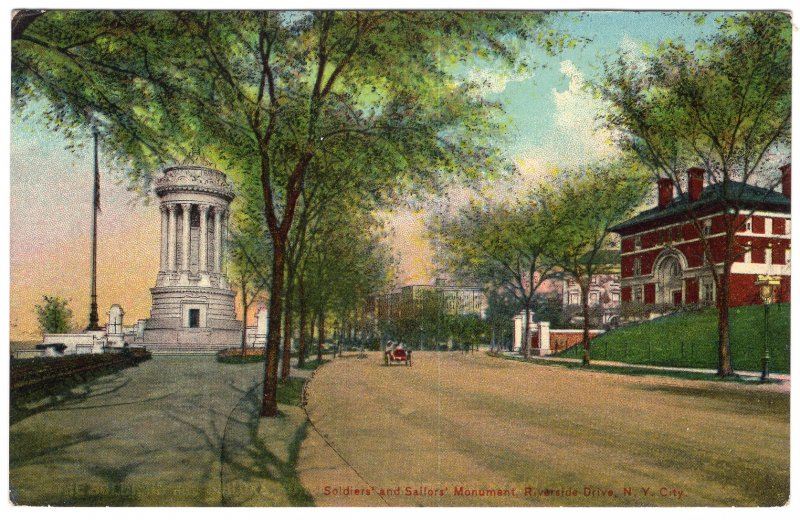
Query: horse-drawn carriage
[(396, 354)]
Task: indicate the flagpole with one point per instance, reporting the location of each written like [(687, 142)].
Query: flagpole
[(93, 318)]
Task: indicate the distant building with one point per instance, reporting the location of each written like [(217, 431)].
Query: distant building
[(407, 300), (604, 296), (662, 254)]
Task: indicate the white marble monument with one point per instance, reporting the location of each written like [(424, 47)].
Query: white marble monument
[(193, 308)]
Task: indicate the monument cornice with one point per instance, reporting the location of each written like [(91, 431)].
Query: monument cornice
[(189, 289), (198, 179)]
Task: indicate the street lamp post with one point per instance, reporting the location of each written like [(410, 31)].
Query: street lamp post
[(767, 292)]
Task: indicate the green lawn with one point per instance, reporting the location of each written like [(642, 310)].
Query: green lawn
[(689, 339)]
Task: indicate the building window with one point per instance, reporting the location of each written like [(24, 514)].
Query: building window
[(637, 242), (637, 267), (615, 297), (574, 298), (593, 298), (638, 294), (678, 232), (675, 269), (748, 225), (660, 236), (707, 293), (706, 227), (194, 318)]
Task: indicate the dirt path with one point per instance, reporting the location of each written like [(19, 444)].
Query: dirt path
[(474, 430)]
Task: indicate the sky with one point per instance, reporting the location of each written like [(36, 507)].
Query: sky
[(553, 124)]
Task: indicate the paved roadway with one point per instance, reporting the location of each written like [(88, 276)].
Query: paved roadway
[(454, 427)]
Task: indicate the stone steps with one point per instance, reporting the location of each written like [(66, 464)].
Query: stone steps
[(172, 349)]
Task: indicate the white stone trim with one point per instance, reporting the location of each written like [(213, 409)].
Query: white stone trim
[(766, 214), (764, 269), (671, 244)]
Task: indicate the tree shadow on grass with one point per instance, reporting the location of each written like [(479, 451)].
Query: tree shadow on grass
[(247, 460), (56, 396), (112, 492), (45, 449)]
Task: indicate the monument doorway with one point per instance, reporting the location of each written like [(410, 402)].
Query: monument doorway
[(194, 318)]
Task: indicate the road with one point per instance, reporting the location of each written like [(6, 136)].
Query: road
[(472, 430)]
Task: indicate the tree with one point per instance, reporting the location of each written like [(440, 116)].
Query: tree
[(500, 311), (248, 274), (345, 264), (54, 315), (579, 212), (263, 94), (725, 105), (500, 246), (467, 330), (248, 252)]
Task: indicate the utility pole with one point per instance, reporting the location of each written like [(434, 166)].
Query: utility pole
[(93, 318)]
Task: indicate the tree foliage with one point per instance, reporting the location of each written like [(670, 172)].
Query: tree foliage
[(499, 246), (54, 315), (579, 211)]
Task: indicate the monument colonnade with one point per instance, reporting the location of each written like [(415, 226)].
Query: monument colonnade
[(169, 237)]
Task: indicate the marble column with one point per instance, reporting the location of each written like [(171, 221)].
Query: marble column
[(164, 238), (187, 224), (217, 239), (172, 239), (203, 249), (225, 223)]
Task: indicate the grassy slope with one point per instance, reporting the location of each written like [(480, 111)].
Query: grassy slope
[(690, 339)]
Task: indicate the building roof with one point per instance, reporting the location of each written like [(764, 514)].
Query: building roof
[(604, 257), (738, 194)]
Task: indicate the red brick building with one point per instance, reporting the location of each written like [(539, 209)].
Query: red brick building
[(662, 254)]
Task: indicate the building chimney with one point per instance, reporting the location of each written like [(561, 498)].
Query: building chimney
[(664, 192), (786, 180), (695, 183)]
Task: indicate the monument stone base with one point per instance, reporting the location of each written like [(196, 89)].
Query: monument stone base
[(191, 320)]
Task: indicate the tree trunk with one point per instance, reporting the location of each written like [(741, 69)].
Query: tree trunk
[(301, 343), (244, 316), (585, 306), (321, 334), (269, 403), (723, 325), (287, 332), (526, 346)]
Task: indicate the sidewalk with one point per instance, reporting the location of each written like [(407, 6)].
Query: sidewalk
[(782, 380)]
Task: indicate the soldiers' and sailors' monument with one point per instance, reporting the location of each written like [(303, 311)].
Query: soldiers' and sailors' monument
[(193, 308)]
